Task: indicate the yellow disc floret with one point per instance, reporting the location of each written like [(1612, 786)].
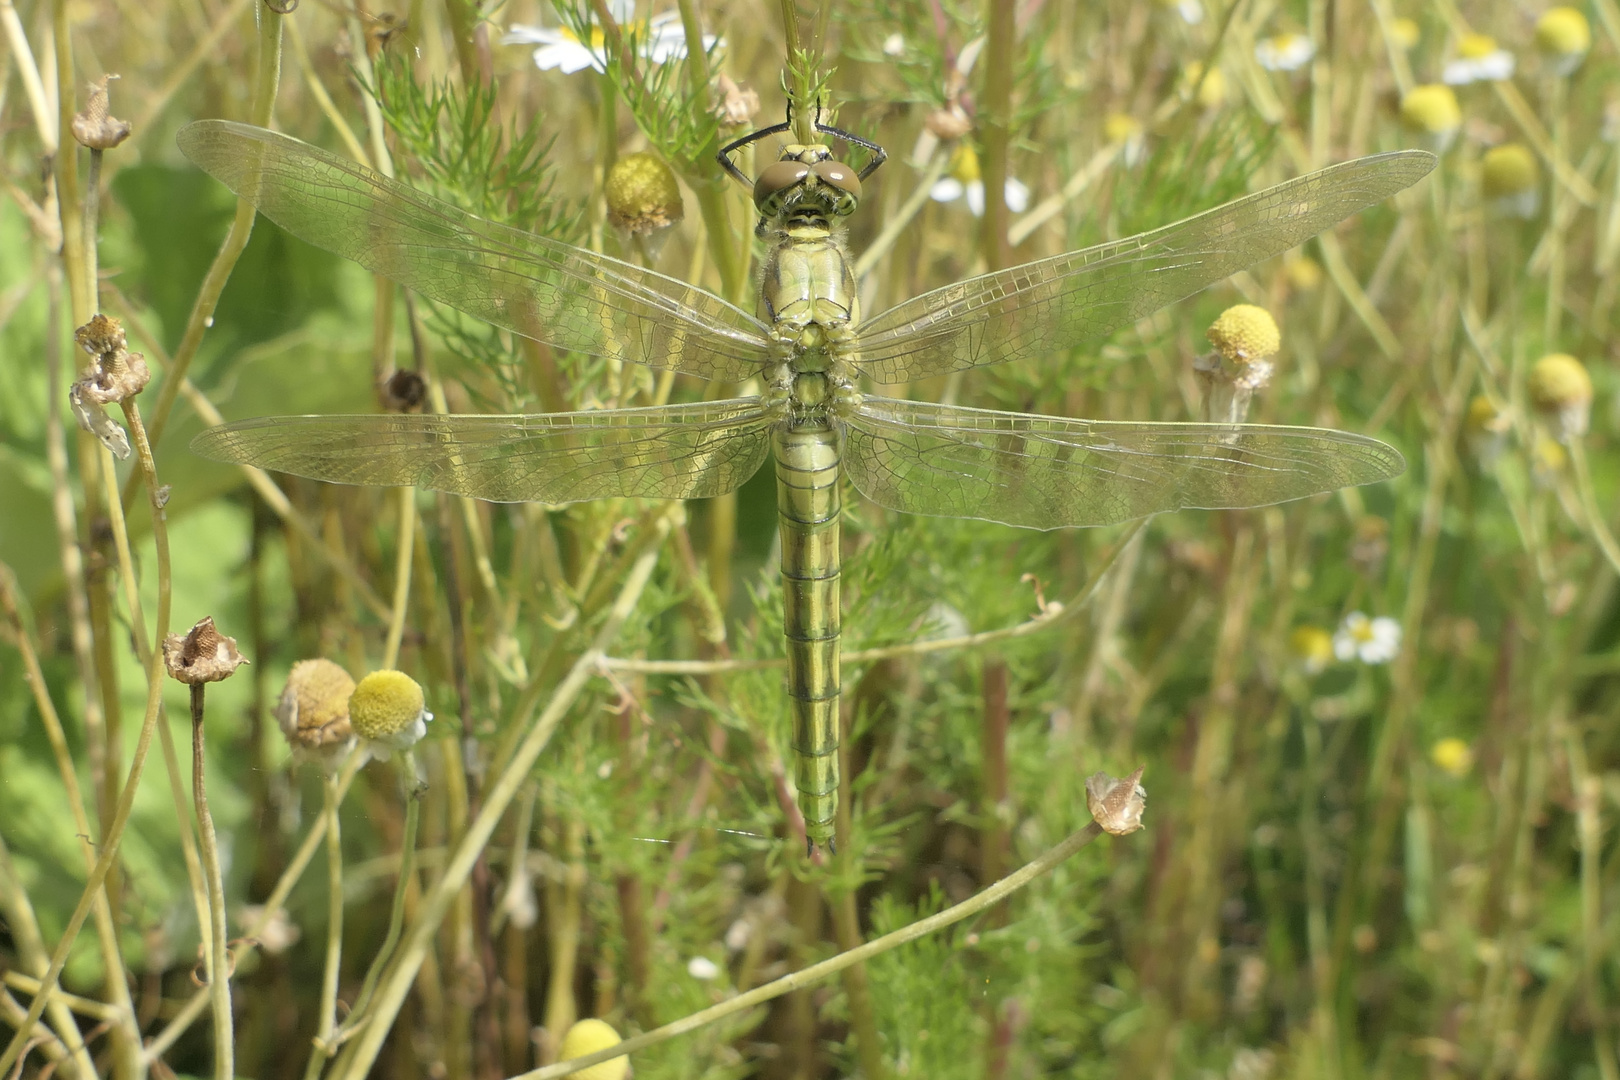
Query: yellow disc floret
[(1475, 46), (1405, 32), (1509, 169), (1432, 108), (1452, 755), (642, 195), (1561, 391), (1121, 127), (1312, 646), (1563, 32), (388, 707), (1245, 333), (587, 1037)]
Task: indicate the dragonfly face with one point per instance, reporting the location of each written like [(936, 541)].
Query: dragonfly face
[(810, 348)]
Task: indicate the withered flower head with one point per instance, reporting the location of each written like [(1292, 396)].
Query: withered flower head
[(201, 655), (642, 195), (1115, 803), (94, 126), (116, 375), (738, 105), (951, 122), (314, 706)]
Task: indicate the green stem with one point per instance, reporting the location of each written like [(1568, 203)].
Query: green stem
[(219, 974), (396, 913), (1594, 513), (326, 1019), (996, 114)]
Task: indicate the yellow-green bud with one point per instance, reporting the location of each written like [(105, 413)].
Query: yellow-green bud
[(314, 706), (1121, 127), (1509, 169), (1303, 273), (1563, 33), (387, 707), (1561, 391), (1431, 108), (1245, 333), (587, 1037), (1211, 89), (1452, 755), (642, 195), (1312, 646), (1405, 32)]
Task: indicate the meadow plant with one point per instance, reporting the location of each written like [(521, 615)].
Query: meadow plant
[(1378, 726)]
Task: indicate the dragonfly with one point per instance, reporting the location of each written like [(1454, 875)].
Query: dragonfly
[(809, 350)]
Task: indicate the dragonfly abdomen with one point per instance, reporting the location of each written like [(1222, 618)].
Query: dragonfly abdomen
[(808, 508)]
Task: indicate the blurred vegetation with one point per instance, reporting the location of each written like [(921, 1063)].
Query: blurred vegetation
[(1388, 855)]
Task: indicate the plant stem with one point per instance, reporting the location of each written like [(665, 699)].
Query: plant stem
[(1594, 512), (402, 575), (219, 971), (816, 972), (326, 1019)]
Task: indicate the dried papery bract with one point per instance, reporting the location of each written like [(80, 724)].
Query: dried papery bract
[(1245, 339), (94, 126), (1117, 803), (114, 375), (201, 655), (738, 105), (314, 708)]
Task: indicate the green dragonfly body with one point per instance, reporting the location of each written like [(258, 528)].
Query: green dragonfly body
[(808, 351)]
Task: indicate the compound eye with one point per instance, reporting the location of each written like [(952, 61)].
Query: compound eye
[(778, 178), (840, 176)]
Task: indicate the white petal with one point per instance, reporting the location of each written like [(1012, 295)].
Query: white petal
[(623, 11), (1459, 72), (975, 197), (894, 45), (701, 967), (1344, 646), (519, 34), (948, 189), (1497, 66), (1192, 12), (1017, 195)]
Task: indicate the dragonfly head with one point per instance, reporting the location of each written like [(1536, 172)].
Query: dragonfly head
[(807, 177)]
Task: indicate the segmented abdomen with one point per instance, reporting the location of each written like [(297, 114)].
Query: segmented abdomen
[(807, 503)]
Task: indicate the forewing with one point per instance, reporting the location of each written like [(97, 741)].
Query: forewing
[(529, 284), (670, 452), (1045, 472), (1034, 310)]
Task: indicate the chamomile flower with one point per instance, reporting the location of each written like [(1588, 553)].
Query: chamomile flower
[(1453, 756), (1125, 131), (1511, 181), (1211, 90), (1285, 52), (1485, 430), (1245, 339), (1433, 110), (1312, 647), (387, 709), (1372, 641), (702, 968), (661, 40), (1563, 35), (1405, 32), (1561, 391), (1479, 59), (588, 1037), (964, 182)]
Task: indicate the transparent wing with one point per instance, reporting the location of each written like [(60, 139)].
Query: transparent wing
[(540, 288), (670, 452), (1041, 307), (1045, 472)]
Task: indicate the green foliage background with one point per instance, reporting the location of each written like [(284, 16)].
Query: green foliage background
[(1326, 887)]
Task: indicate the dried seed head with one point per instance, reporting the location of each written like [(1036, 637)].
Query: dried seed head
[(642, 195), (1563, 36), (388, 708), (587, 1037), (1433, 109), (314, 706), (1116, 804), (738, 105), (1509, 169), (94, 127), (201, 655), (951, 122), (1245, 333)]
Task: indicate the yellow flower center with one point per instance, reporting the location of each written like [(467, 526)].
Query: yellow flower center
[(1245, 332), (1432, 108), (964, 163), (1509, 169), (1564, 31), (1476, 46)]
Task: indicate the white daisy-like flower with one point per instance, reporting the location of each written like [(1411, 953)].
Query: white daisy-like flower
[(964, 182), (1372, 641), (1478, 60), (1285, 52), (894, 44), (661, 40), (701, 967)]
